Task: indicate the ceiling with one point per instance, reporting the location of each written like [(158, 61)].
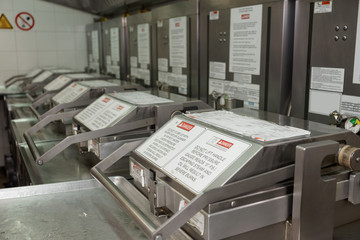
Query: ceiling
[(109, 8)]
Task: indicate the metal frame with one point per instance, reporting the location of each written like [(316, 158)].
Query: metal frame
[(120, 23), (276, 49), (190, 9), (88, 29)]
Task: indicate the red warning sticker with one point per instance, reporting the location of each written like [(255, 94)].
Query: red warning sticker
[(225, 144), (106, 100), (186, 126)]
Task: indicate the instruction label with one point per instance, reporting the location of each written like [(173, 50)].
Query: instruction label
[(143, 74), (217, 70), (57, 83), (95, 45), (178, 42), (143, 38), (324, 102), (103, 113), (133, 62), (245, 39), (216, 85), (42, 77), (70, 93), (169, 141), (329, 79), (114, 45), (140, 98), (323, 7), (205, 159), (350, 105), (163, 64), (242, 78), (251, 127)]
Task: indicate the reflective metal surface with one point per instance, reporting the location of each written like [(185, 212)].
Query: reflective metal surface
[(74, 210)]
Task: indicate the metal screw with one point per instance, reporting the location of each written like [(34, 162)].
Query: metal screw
[(155, 196), (344, 38), (337, 28), (40, 162), (336, 38), (148, 190), (232, 204), (357, 159), (158, 237), (345, 28)]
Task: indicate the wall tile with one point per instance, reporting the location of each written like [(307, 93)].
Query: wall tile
[(6, 5), (47, 58), (23, 5), (65, 41), (64, 21), (5, 75), (25, 41), (66, 59), (27, 60), (44, 21), (46, 41), (43, 6), (80, 39), (81, 60), (8, 61), (7, 40)]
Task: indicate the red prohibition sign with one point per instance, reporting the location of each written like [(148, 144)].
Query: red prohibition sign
[(25, 21)]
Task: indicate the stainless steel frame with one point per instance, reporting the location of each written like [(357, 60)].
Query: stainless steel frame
[(190, 9), (276, 49)]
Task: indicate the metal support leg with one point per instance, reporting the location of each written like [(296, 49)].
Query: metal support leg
[(314, 196)]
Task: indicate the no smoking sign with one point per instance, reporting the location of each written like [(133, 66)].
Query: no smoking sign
[(25, 21)]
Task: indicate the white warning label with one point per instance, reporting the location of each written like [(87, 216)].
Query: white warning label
[(42, 77), (57, 83), (245, 39), (329, 79), (70, 93), (104, 112), (323, 7), (217, 70), (169, 141), (350, 105), (205, 159)]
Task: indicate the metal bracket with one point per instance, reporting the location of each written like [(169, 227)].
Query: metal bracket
[(354, 188), (314, 196), (61, 146), (43, 98), (60, 107)]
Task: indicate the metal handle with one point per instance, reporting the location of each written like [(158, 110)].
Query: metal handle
[(14, 79), (62, 106), (41, 124), (61, 146), (146, 224), (29, 97), (174, 223), (38, 116), (43, 98)]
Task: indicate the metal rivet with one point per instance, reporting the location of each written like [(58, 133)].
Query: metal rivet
[(224, 40), (357, 159), (221, 33), (221, 40), (155, 196), (224, 33), (337, 28), (232, 204), (148, 190), (336, 38), (158, 237), (345, 28), (344, 38)]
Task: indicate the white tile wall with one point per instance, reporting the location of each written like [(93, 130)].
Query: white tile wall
[(58, 38)]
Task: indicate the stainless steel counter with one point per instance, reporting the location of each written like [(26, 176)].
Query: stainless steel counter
[(73, 210)]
